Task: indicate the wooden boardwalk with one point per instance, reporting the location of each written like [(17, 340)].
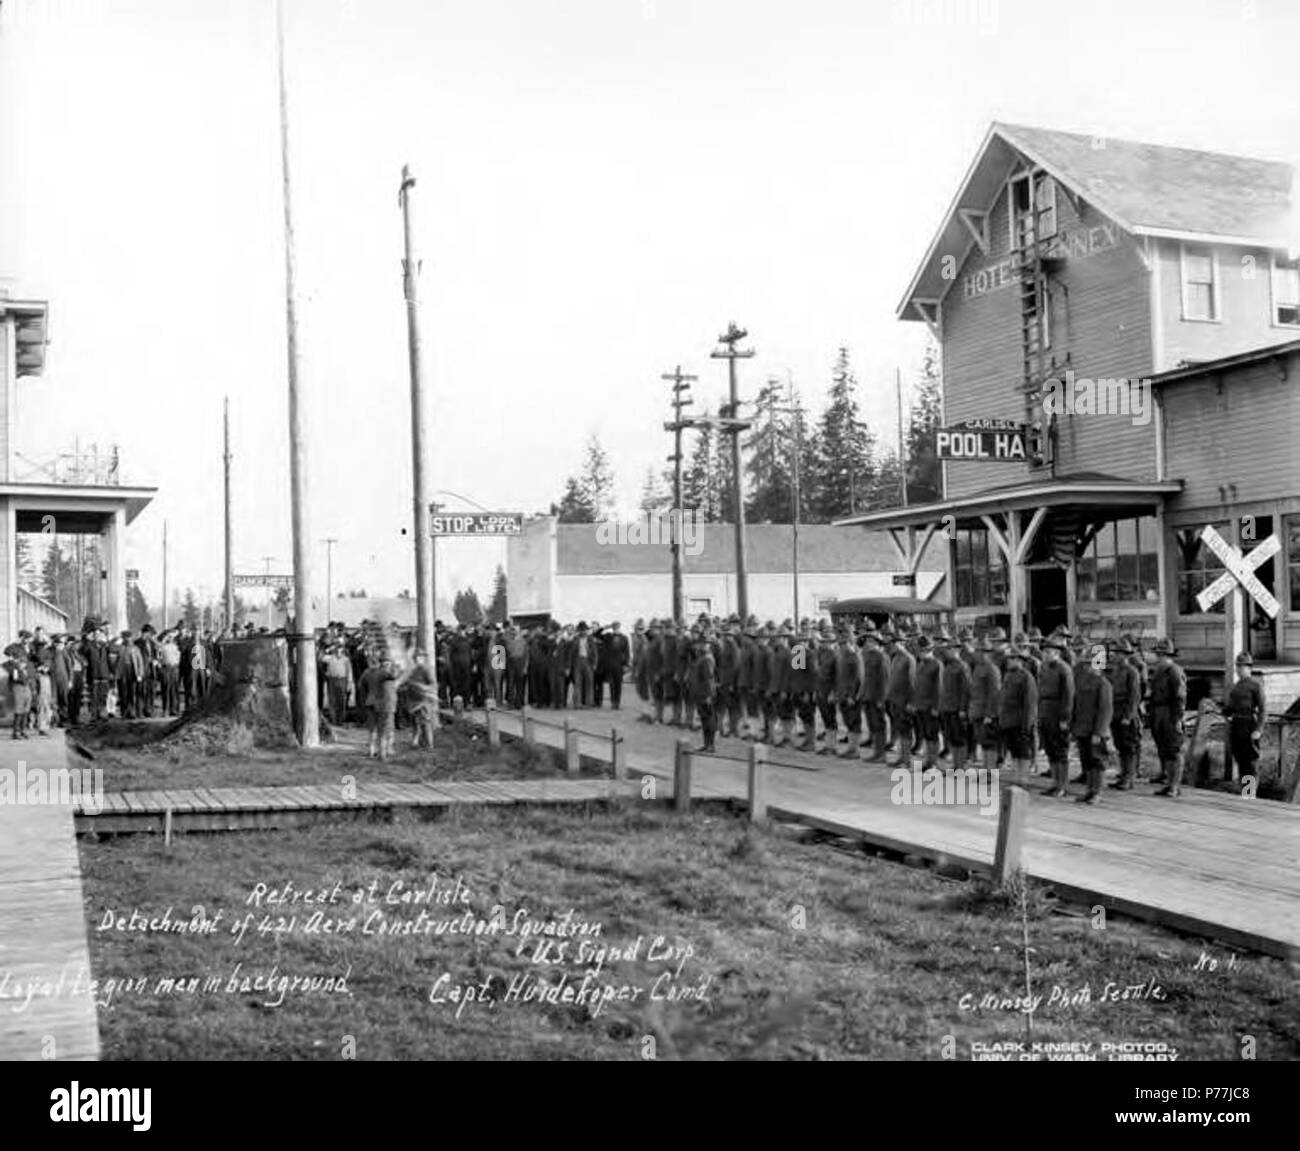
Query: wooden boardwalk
[(236, 808), (42, 923), (1210, 863)]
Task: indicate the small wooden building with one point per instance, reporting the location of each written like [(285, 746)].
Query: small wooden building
[(1119, 325)]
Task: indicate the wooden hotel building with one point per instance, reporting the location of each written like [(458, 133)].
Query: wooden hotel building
[(1120, 335)]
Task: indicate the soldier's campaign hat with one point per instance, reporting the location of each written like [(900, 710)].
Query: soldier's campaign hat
[(1020, 639), (997, 635), (1122, 644), (1014, 652), (1054, 642), (965, 634), (1164, 646), (923, 643), (639, 625), (1243, 659), (1035, 635)]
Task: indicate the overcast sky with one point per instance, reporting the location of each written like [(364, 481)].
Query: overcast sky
[(603, 185)]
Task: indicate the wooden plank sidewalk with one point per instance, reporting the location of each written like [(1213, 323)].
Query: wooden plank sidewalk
[(43, 942), (229, 808), (1210, 863)]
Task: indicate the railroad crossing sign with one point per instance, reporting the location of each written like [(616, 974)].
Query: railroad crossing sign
[(1241, 570)]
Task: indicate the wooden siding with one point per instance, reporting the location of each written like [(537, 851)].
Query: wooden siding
[(1238, 428), (1100, 315), (1245, 307)]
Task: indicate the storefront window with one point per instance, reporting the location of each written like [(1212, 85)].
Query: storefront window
[(1293, 559), (1121, 564), (1198, 567), (981, 572)]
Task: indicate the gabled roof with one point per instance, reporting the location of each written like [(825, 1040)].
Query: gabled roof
[(1148, 189), (768, 548)]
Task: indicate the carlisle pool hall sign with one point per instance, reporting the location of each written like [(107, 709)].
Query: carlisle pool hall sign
[(981, 440)]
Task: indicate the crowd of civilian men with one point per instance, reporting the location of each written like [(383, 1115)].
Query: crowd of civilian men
[(63, 679)]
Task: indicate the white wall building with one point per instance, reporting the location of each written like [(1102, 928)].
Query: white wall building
[(566, 571)]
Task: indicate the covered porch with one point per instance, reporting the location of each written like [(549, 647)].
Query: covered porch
[(1085, 550)]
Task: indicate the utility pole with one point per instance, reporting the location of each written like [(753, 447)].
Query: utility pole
[(902, 448), (681, 385), (304, 639), (422, 496), (329, 577), (230, 570), (434, 509), (270, 598), (164, 603), (798, 445), (730, 339)]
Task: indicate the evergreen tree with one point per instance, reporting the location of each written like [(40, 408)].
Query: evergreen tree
[(466, 607), (58, 582), (137, 610), (597, 482), (191, 608), (498, 609), (924, 469), (767, 458), (839, 468), (886, 489), (574, 507), (655, 496), (26, 564)]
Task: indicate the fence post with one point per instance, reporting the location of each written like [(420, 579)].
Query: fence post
[(682, 777), (526, 726), (757, 783), (493, 723), (617, 754), (572, 762), (1011, 833), (167, 827)]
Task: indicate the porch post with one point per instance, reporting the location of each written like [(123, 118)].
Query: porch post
[(1168, 594), (8, 573), (1015, 573), (115, 589), (1071, 592)]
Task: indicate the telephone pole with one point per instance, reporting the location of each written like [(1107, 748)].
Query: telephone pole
[(730, 339), (164, 603), (230, 570), (422, 495), (270, 598), (681, 385), (306, 711), (329, 577), (796, 416)]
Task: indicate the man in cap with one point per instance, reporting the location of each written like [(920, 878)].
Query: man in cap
[(1017, 707), (1168, 702), (985, 685), (954, 702), (1055, 711), (1126, 717), (728, 661), (902, 684), (338, 682), (1091, 720), (875, 688), (703, 689), (685, 657), (1244, 710), (848, 689), (925, 701), (130, 671)]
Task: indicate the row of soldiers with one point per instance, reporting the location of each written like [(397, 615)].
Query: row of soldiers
[(985, 701)]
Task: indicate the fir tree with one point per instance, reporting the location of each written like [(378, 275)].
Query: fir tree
[(498, 609), (924, 469), (840, 466), (767, 458), (654, 495), (466, 607), (574, 507)]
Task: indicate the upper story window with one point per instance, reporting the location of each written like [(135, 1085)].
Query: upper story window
[(1200, 283), (1038, 189), (1286, 292)]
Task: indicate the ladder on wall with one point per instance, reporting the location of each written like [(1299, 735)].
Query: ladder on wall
[(1030, 256)]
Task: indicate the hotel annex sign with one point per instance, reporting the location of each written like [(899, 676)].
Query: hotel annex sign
[(1076, 245)]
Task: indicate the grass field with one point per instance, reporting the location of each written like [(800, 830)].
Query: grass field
[(459, 753), (795, 950)]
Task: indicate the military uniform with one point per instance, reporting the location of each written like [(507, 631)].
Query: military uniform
[(848, 691), (703, 687), (902, 681), (802, 687), (1017, 706), (1089, 724), (985, 689), (1055, 709), (1168, 695), (925, 701), (875, 684), (728, 657), (954, 704), (827, 664), (1126, 715), (1245, 710), (778, 683)]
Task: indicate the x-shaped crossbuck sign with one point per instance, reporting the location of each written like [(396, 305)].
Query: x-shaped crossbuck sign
[(1241, 569)]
